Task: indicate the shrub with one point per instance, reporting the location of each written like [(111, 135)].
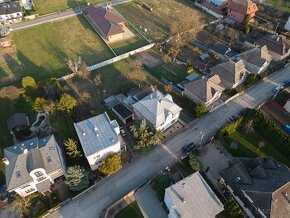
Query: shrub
[(200, 109), (111, 164), (28, 82), (230, 127), (194, 162)]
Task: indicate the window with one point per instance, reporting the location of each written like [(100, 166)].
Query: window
[(26, 186), (29, 190), (38, 174)]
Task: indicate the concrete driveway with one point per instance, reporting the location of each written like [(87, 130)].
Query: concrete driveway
[(149, 203)]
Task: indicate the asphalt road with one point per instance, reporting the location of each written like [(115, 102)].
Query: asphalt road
[(58, 16), (114, 187)]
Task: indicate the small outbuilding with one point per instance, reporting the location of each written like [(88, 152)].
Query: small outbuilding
[(17, 121), (123, 113)]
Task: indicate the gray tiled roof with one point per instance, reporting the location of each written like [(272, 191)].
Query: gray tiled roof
[(28, 155), (97, 133), (155, 107), (275, 43), (10, 8), (264, 180), (257, 56)]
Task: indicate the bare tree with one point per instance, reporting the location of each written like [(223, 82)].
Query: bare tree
[(249, 126), (261, 144), (74, 65)]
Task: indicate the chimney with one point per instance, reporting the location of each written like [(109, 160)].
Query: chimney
[(5, 161)]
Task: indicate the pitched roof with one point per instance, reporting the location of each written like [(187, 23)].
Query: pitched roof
[(156, 107), (241, 5), (10, 8), (262, 179), (205, 88), (257, 56), (123, 110), (17, 120), (192, 197), (221, 48), (230, 71), (97, 133), (106, 19), (40, 153), (275, 43)]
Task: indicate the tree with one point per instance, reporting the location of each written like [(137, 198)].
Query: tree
[(194, 162), (247, 24), (249, 126), (66, 103), (233, 209), (77, 178), (23, 205), (261, 144), (38, 104), (72, 148), (28, 82), (83, 72), (200, 109), (168, 88), (74, 65), (111, 164)]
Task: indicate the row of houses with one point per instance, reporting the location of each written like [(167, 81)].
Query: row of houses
[(34, 165), (227, 75), (10, 12)]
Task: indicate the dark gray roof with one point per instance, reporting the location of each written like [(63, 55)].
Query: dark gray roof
[(260, 179), (221, 48), (10, 8), (17, 120), (143, 93), (29, 155), (123, 110)]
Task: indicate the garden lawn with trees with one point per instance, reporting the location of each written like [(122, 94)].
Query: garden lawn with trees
[(253, 134)]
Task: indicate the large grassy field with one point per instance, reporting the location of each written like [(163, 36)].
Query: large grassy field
[(283, 5), (49, 6), (248, 146), (164, 16), (41, 51)]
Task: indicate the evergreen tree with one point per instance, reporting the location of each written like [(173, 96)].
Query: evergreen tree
[(67, 103), (28, 82), (194, 162), (77, 178), (72, 148), (111, 164)]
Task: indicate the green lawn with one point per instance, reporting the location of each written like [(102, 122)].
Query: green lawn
[(130, 44), (41, 51), (173, 72), (248, 146), (131, 211), (50, 6), (283, 5)]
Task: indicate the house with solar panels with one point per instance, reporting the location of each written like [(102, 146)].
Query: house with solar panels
[(99, 136), (33, 166)]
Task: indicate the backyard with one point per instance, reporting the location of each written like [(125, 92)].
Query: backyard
[(164, 16), (41, 51), (45, 7), (283, 5), (132, 211)]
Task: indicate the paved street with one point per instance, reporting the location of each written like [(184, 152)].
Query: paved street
[(114, 187), (57, 16)]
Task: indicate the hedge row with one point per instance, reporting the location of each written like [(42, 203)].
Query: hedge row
[(229, 128)]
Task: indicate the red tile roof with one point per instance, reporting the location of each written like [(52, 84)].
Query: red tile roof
[(242, 6)]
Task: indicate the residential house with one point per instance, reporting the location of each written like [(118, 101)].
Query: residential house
[(287, 106), (10, 12), (99, 136), (287, 25), (192, 197), (256, 60), (278, 45), (17, 121), (205, 90), (158, 110), (33, 166), (106, 22), (239, 9), (231, 73), (123, 113), (220, 49), (261, 184)]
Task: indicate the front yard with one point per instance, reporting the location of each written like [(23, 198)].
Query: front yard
[(41, 51), (45, 7), (132, 211)]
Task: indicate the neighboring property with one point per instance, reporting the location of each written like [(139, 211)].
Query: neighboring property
[(220, 48), (99, 136), (123, 113), (10, 12), (107, 23), (287, 106), (204, 90), (262, 184), (17, 121), (33, 166), (256, 60), (239, 9), (278, 45), (287, 25), (158, 110), (192, 197), (143, 93), (230, 73)]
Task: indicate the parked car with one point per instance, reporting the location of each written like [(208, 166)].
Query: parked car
[(185, 150), (232, 118), (286, 83), (123, 132), (278, 88)]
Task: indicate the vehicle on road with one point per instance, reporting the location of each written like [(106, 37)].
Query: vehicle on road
[(232, 118), (278, 88), (286, 83), (185, 150)]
